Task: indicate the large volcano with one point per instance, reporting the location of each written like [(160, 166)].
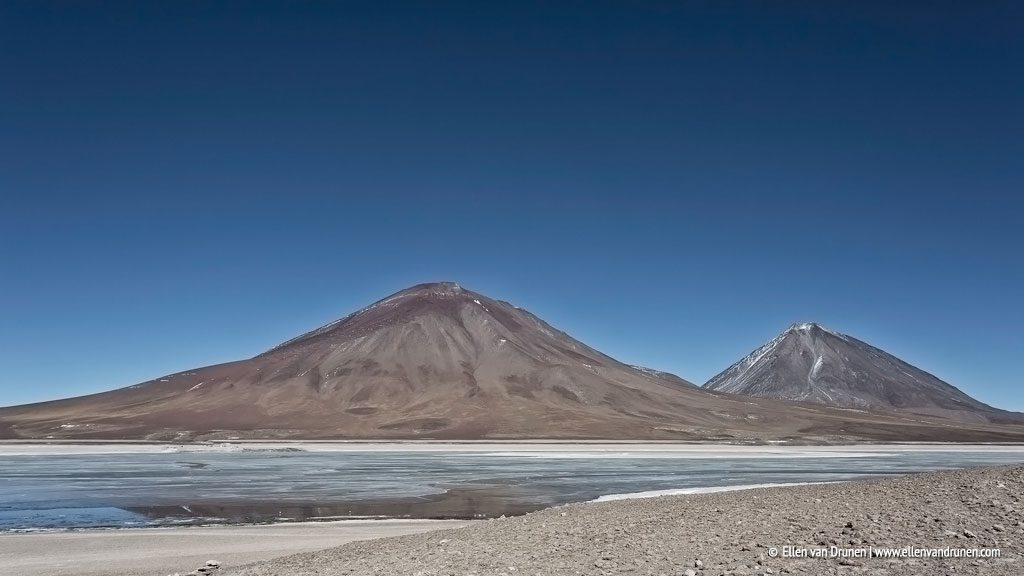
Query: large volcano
[(440, 361), (434, 360)]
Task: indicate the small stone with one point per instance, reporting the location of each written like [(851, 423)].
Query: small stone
[(970, 534), (602, 563), (215, 563), (689, 572), (698, 564), (999, 528)]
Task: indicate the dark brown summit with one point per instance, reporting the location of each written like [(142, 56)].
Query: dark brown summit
[(440, 361), (433, 360)]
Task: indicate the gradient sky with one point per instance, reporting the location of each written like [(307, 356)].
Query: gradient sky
[(185, 183)]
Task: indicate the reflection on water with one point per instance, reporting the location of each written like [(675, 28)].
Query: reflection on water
[(121, 490)]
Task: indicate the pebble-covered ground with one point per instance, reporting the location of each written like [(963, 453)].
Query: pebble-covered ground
[(728, 533)]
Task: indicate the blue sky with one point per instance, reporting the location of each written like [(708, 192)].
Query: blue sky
[(673, 183)]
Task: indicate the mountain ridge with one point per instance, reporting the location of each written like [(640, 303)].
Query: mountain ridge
[(438, 361), (808, 362)]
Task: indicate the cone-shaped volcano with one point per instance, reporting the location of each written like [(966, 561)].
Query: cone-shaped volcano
[(808, 362)]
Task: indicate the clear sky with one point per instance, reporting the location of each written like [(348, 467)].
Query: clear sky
[(185, 183)]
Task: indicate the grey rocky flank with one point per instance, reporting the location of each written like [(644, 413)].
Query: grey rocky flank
[(811, 363)]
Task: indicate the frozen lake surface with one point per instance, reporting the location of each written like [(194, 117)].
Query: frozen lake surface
[(97, 488)]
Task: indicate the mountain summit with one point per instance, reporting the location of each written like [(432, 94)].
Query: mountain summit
[(808, 362), (443, 362), (433, 360)]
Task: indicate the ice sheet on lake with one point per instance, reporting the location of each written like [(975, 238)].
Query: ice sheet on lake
[(699, 490)]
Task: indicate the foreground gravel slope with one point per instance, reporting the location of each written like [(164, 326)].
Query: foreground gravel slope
[(714, 534)]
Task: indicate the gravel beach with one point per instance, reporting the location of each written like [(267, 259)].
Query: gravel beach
[(738, 533)]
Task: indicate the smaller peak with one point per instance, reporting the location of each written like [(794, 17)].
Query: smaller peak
[(814, 329), (805, 327)]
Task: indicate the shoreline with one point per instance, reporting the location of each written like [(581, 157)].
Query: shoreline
[(124, 551), (735, 533), (729, 531), (441, 500), (534, 448)]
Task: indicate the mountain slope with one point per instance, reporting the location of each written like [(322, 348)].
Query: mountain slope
[(439, 361), (810, 363), (433, 360), (662, 375)]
